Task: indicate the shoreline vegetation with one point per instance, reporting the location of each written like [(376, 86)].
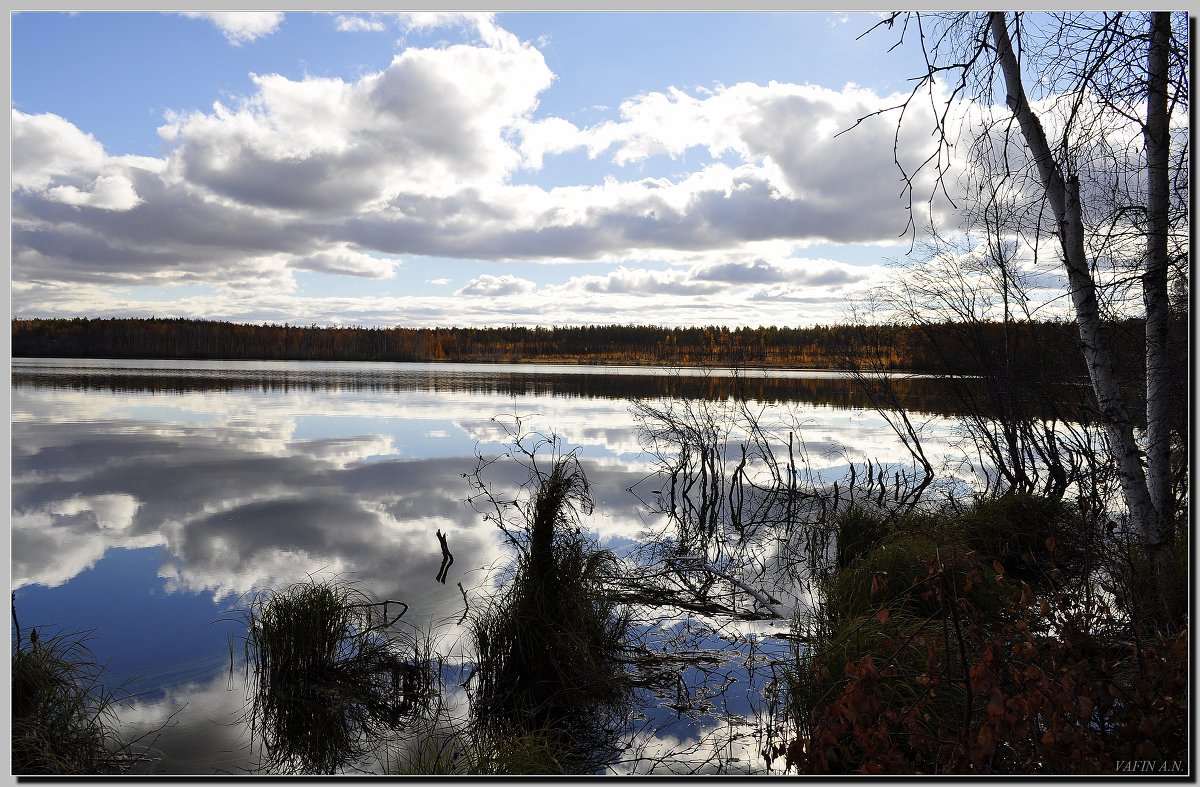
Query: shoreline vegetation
[(1041, 347)]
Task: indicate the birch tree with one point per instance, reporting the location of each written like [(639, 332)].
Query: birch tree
[(1088, 138)]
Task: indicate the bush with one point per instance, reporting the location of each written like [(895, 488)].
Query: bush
[(1066, 703), (904, 648), (932, 661)]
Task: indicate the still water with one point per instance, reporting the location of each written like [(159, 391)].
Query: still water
[(150, 499)]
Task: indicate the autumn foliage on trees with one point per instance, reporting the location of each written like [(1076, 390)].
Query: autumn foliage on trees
[(923, 348)]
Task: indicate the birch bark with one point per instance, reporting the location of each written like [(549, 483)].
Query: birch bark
[(1154, 279), (1062, 192)]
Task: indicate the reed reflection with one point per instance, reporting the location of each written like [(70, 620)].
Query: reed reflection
[(331, 675)]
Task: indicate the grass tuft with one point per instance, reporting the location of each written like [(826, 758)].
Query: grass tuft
[(1016, 529), (329, 675), (859, 530), (63, 718), (547, 647)]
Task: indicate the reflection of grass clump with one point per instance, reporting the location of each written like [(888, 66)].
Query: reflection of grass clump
[(472, 750), (547, 670), (329, 676), (63, 718)]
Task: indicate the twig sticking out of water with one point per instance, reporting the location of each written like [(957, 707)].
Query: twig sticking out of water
[(447, 559)]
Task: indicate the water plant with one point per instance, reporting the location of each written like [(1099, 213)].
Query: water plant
[(64, 719), (548, 657), (330, 674), (548, 646)]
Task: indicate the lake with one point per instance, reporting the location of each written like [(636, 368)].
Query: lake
[(151, 499)]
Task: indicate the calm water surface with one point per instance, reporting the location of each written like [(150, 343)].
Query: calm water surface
[(149, 498)]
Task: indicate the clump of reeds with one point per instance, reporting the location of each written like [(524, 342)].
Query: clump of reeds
[(330, 675), (1030, 535), (63, 717), (548, 648)]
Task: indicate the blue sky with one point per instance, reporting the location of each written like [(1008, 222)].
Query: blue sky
[(454, 169)]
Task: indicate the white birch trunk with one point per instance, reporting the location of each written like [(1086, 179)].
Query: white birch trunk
[(1154, 279), (1063, 196)]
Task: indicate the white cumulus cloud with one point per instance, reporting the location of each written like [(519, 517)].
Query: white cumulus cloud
[(349, 262), (496, 286), (429, 156), (351, 23), (107, 192), (241, 27), (46, 146), (430, 124)]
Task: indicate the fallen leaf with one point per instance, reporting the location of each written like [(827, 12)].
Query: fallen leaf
[(995, 708), (1085, 707)]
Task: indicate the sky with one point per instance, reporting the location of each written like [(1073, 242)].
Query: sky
[(426, 169)]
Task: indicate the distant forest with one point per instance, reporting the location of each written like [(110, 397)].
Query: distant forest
[(1045, 347)]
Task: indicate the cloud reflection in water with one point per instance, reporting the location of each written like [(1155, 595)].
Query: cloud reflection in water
[(241, 485)]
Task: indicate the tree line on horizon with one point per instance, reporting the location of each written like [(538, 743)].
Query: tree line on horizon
[(1049, 348)]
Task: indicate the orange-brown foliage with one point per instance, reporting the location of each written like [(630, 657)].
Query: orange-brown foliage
[(1040, 693)]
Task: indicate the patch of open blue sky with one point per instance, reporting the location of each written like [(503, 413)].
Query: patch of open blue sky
[(73, 65)]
